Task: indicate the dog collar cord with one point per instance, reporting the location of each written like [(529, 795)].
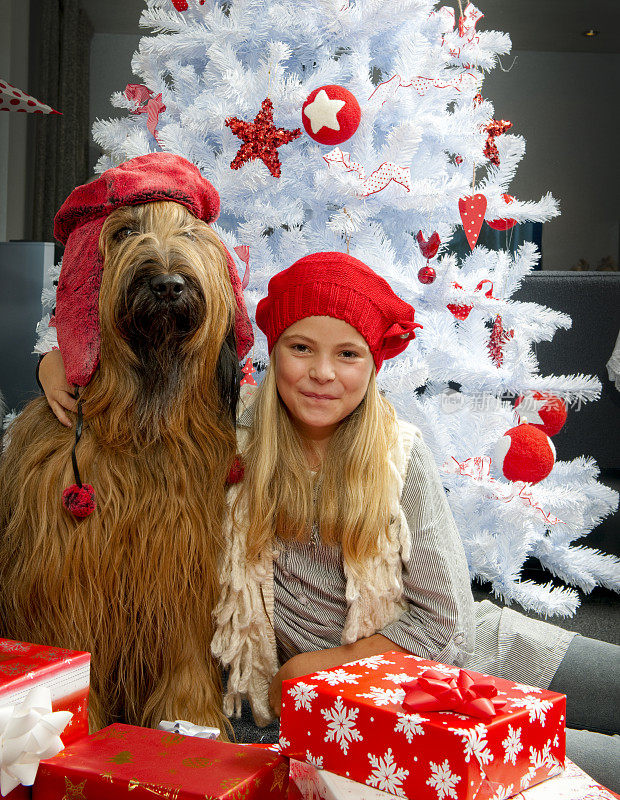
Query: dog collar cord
[(79, 498)]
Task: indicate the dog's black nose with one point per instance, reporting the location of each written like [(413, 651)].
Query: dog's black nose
[(168, 287)]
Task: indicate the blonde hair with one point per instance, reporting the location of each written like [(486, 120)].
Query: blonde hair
[(348, 498)]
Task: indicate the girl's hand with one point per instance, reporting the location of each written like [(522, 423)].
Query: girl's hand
[(295, 667), (58, 392)]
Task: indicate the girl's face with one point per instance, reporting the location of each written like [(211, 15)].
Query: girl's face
[(323, 366)]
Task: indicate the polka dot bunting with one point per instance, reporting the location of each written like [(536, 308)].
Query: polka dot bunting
[(472, 210), (12, 99)]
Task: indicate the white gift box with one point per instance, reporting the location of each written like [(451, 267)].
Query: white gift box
[(319, 784)]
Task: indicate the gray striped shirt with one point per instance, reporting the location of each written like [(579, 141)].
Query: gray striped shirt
[(439, 620)]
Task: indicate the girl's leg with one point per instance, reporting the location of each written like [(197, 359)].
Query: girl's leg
[(589, 676), (596, 754)]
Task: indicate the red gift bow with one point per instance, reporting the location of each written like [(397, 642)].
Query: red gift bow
[(465, 694)]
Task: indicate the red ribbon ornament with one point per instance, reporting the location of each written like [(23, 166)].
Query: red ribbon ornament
[(146, 103), (465, 694)]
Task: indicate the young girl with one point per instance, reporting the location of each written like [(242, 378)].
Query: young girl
[(341, 544), (341, 541)]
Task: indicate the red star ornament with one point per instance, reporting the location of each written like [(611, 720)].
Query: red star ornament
[(260, 139)]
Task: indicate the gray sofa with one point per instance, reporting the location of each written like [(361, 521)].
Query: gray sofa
[(592, 300)]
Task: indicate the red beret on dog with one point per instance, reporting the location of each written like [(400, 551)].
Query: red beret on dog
[(146, 179)]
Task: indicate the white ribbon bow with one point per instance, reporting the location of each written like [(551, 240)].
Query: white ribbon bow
[(188, 729), (29, 732)]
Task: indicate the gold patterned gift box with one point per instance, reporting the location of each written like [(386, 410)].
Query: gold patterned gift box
[(142, 763)]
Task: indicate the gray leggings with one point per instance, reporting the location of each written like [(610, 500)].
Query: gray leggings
[(589, 676)]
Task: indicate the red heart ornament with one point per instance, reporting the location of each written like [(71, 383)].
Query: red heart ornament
[(472, 210)]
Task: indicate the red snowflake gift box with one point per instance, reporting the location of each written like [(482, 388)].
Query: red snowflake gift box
[(24, 667), (142, 764), (351, 720)]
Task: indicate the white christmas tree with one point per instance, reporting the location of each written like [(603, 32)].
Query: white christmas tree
[(424, 142)]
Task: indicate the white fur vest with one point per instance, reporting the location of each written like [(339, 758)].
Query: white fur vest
[(244, 639)]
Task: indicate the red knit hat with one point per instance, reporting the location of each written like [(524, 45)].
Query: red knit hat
[(338, 285), (78, 224)]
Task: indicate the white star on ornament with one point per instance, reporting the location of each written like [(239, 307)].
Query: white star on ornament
[(322, 112)]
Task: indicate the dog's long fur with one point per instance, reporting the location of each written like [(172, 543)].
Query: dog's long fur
[(134, 583)]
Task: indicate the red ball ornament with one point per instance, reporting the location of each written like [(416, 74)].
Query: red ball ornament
[(79, 500), (543, 410), (503, 224), (525, 453), (426, 275), (331, 114)]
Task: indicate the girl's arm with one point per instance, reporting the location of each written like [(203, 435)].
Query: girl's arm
[(315, 660), (439, 621), (57, 390)]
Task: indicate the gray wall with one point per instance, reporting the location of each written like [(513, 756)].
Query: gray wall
[(14, 22), (566, 106), (110, 69), (560, 102)]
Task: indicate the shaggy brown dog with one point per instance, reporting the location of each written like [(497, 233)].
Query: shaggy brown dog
[(134, 583)]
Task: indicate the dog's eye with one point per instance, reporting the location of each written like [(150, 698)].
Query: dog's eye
[(125, 233), (188, 235)]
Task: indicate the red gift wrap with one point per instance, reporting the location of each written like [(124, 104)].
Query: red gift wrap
[(123, 760), (66, 672), (351, 720)]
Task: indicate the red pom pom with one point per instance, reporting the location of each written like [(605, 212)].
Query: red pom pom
[(543, 410), (525, 454), (237, 471), (331, 114), (79, 500)]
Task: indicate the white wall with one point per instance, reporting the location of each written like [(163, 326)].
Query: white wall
[(566, 106)]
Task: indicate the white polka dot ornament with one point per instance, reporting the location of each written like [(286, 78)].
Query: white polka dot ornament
[(525, 453), (331, 114), (12, 99), (543, 410), (472, 210)]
